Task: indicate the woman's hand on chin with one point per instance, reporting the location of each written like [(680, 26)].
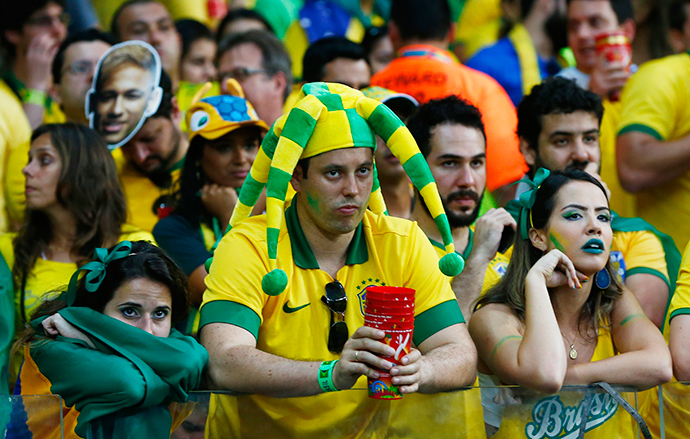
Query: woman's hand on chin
[(556, 269)]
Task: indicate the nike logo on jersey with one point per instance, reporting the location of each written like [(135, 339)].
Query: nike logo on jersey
[(289, 310)]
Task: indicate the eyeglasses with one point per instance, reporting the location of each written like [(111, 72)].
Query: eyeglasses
[(81, 67), (48, 20), (241, 73), (336, 300)]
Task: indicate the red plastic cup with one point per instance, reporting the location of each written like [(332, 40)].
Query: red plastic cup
[(386, 325), (389, 304), (614, 47), (395, 294), (382, 387)]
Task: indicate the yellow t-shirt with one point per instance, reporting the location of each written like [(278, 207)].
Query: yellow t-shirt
[(48, 276), (295, 324), (622, 201), (676, 396), (15, 135), (142, 195), (558, 416), (655, 102)]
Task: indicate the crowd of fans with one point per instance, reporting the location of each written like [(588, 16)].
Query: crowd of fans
[(523, 165)]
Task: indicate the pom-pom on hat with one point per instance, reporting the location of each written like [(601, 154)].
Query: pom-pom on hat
[(215, 116), (327, 117)]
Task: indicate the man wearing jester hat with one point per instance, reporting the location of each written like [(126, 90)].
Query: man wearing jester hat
[(285, 291)]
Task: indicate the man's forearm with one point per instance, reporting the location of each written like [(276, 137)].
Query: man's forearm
[(448, 368), (249, 370), (451, 365), (645, 162)]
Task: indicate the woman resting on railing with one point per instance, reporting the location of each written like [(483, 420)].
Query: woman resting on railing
[(559, 316), (107, 348)]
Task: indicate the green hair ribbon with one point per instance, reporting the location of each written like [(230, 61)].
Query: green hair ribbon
[(96, 269), (527, 198)]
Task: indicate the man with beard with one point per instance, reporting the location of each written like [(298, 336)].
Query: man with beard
[(150, 162), (450, 135), (527, 52), (558, 126)]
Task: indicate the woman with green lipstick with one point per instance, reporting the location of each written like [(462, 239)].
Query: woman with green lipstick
[(559, 316)]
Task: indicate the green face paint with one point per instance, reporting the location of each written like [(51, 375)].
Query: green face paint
[(556, 243), (314, 203)]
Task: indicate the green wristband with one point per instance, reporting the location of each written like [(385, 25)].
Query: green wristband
[(33, 96), (326, 376)]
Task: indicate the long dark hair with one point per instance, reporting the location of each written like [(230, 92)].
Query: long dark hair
[(187, 200), (510, 290), (145, 261), (88, 187)]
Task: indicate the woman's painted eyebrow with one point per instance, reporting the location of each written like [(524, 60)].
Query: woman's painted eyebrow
[(577, 206), (574, 206)]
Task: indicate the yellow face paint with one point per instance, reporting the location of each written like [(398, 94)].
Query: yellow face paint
[(557, 240)]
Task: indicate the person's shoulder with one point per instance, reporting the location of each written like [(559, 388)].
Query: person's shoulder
[(7, 96), (381, 224), (493, 312), (660, 71), (253, 228)]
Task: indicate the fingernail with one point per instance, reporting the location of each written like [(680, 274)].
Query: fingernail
[(395, 380), (376, 375), (394, 371), (405, 360), (390, 351), (388, 365)]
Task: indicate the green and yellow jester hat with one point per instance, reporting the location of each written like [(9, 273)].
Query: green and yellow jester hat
[(327, 117)]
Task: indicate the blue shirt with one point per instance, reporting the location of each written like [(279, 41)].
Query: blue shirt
[(501, 62)]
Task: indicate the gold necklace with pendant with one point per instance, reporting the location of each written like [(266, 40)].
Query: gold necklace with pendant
[(573, 351)]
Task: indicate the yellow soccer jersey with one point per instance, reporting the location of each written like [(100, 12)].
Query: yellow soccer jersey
[(655, 102), (142, 195), (638, 252), (622, 202), (15, 135), (295, 324)]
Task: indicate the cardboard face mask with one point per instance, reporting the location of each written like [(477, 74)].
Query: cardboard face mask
[(125, 91)]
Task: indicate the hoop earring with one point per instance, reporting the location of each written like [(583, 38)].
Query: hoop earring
[(603, 279)]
